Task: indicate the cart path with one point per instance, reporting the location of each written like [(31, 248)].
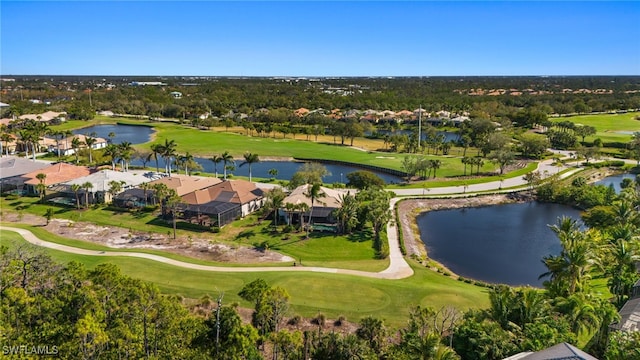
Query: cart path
[(398, 267)]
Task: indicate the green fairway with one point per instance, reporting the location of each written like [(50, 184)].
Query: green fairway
[(609, 127), (206, 143), (333, 295)]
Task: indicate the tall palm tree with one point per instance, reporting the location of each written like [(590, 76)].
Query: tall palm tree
[(168, 153), (314, 193), (6, 137), (273, 203), (42, 188), (126, 151), (186, 161), (157, 150), (76, 143), (226, 159), (216, 159), (250, 158), (435, 165), (76, 189), (112, 151), (87, 186), (89, 142)]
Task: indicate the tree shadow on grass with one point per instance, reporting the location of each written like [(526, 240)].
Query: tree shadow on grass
[(246, 234)]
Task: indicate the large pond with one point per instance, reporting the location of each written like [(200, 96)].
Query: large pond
[(496, 244), (615, 181), (286, 169), (132, 133), (449, 136)]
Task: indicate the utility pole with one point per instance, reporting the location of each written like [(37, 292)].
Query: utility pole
[(419, 127)]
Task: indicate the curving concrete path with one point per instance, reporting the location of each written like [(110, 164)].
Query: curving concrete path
[(394, 271)]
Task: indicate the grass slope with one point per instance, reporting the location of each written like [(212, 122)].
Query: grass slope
[(333, 295)]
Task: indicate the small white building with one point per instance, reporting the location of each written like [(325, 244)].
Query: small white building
[(176, 94)]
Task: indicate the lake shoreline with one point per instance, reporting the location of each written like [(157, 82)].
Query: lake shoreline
[(410, 209)]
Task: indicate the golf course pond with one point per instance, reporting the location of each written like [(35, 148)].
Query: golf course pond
[(496, 244), (137, 134)]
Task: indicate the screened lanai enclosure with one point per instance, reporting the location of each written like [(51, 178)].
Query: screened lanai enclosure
[(213, 214)]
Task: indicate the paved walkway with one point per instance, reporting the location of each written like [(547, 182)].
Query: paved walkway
[(398, 266), (394, 271)]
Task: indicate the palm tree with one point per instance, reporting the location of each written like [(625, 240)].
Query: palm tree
[(168, 153), (273, 203), (347, 213), (145, 187), (67, 134), (314, 193), (89, 142), (172, 204), (76, 188), (111, 136), (87, 186), (41, 187), (76, 143), (250, 158), (126, 150), (186, 159), (216, 159), (6, 137), (115, 187), (226, 159), (569, 270), (112, 151), (157, 150), (435, 165)]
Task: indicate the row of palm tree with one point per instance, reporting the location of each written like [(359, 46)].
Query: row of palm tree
[(122, 152)]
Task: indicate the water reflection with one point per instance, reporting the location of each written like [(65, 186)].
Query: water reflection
[(496, 244)]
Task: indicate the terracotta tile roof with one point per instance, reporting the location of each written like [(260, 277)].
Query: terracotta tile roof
[(57, 173), (233, 191), (183, 184)]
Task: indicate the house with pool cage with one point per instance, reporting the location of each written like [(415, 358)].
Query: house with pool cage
[(221, 204)]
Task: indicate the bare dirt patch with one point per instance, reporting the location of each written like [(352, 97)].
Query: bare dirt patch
[(121, 238)]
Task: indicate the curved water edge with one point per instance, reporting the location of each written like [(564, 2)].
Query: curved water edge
[(285, 166), (493, 243), (123, 132)]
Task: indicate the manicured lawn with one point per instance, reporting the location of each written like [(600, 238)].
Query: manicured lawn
[(610, 127), (321, 249), (331, 294)]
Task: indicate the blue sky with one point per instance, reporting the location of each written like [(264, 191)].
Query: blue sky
[(319, 38)]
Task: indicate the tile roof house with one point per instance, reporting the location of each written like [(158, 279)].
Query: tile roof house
[(64, 145), (56, 174), (322, 207), (562, 351), (44, 117), (630, 312), (101, 183), (222, 203), (12, 168), (184, 184)]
